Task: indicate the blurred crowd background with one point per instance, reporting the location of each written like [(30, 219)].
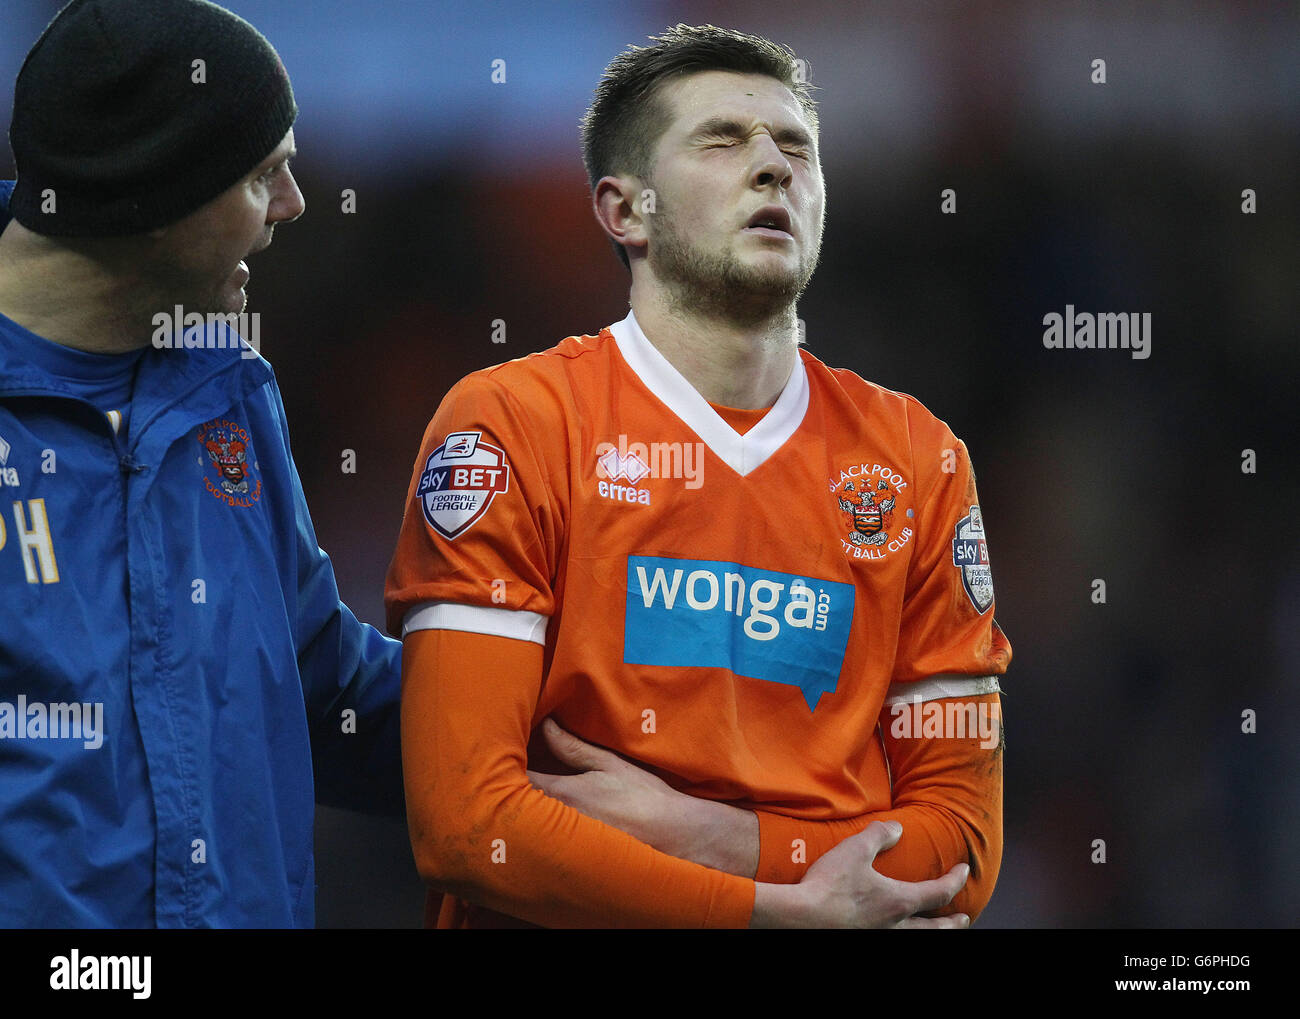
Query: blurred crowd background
[(1124, 719)]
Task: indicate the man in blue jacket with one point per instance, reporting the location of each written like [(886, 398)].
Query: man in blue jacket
[(175, 662)]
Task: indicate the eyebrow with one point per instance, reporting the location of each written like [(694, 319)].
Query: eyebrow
[(269, 165), (726, 127)]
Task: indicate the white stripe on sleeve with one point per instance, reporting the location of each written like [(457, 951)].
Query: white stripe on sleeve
[(511, 623), (935, 687)]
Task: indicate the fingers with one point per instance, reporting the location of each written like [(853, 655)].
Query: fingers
[(878, 836), (932, 895), (927, 896), (576, 753), (958, 921)]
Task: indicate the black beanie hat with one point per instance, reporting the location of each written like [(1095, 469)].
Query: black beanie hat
[(113, 114)]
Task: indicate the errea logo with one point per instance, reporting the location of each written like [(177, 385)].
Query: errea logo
[(634, 462), (613, 465)]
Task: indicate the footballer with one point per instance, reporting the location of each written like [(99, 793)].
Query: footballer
[(664, 588)]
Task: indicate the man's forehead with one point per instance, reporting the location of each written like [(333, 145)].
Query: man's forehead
[(704, 95)]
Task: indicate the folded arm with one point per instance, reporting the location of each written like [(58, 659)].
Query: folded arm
[(947, 795), (482, 831)]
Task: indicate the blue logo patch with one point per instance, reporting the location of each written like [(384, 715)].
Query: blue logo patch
[(777, 627)]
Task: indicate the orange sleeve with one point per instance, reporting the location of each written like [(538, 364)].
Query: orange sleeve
[(947, 625), (502, 553), (947, 793), (948, 798), (481, 831)]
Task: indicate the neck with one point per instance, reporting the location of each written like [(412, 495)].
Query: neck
[(73, 293), (743, 365)]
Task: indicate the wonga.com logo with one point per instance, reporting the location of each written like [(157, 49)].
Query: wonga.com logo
[(771, 626)]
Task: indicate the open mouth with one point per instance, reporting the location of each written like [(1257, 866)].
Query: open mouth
[(771, 221)]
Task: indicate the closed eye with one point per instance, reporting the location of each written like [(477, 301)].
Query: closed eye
[(271, 173), (797, 151)]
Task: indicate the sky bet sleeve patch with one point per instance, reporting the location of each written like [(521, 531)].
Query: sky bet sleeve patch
[(460, 479)]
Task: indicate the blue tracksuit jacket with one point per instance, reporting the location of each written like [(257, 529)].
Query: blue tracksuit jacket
[(171, 584)]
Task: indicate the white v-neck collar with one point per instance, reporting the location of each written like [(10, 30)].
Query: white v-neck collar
[(742, 453)]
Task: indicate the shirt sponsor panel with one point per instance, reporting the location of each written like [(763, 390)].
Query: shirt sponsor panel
[(776, 627)]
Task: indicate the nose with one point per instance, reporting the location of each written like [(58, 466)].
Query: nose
[(771, 165), (288, 203)]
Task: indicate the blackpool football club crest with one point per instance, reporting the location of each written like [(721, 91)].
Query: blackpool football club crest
[(970, 554), (460, 479), (876, 519), (230, 476)]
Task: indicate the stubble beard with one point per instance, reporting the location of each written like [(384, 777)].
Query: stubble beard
[(717, 284), (172, 287)]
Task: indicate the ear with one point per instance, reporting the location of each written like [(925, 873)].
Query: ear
[(622, 208)]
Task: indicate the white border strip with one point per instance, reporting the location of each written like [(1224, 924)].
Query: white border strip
[(936, 687), (442, 615)]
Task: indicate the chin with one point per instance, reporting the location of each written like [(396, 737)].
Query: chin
[(781, 284), (232, 303)]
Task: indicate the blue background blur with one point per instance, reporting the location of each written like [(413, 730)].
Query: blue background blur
[(1124, 719)]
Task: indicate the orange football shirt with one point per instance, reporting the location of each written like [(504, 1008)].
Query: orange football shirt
[(732, 611)]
